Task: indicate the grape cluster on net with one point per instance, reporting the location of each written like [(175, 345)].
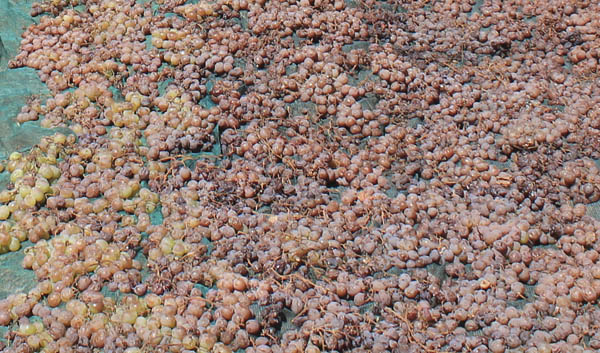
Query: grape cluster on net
[(308, 176)]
